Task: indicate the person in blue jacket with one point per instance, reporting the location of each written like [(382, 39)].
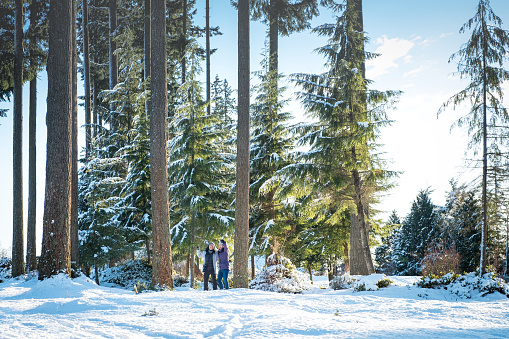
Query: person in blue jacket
[(224, 264)]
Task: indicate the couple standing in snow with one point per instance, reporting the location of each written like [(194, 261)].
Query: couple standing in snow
[(211, 256)]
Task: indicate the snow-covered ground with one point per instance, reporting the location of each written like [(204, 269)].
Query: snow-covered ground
[(65, 308)]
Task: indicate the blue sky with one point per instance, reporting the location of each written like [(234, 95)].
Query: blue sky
[(415, 38)]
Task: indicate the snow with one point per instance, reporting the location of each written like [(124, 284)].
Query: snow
[(78, 308)]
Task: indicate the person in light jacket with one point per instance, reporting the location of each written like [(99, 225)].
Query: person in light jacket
[(210, 258), (224, 264)]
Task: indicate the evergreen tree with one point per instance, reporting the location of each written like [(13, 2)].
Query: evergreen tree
[(342, 162), (384, 254), (481, 59), (270, 148), (200, 172), (418, 232)]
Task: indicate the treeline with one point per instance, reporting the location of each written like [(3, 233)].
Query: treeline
[(311, 185), (435, 239)]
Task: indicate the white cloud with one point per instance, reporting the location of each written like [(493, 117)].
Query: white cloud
[(391, 50), (414, 71)]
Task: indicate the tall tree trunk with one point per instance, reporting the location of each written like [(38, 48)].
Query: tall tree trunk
[(161, 261), (56, 244), (207, 47), (360, 255), (484, 231), (112, 10), (18, 265), (241, 267), (146, 49), (86, 81), (32, 179), (273, 36), (74, 166), (184, 40), (31, 258), (347, 257)]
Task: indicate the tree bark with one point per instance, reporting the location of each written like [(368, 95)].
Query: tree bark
[(112, 9), (484, 231), (161, 260), (146, 48), (74, 167), (184, 34), (207, 48), (56, 244), (86, 82), (18, 265), (241, 270)]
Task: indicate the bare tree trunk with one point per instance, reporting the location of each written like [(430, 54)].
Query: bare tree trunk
[(18, 265), (74, 172), (240, 272), (56, 244), (162, 261), (86, 81), (310, 271), (347, 257), (147, 245), (207, 48), (184, 34), (253, 268), (31, 258), (146, 47), (273, 37), (112, 9), (484, 231)]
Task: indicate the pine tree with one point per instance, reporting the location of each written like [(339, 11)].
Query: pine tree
[(481, 59), (342, 162), (418, 232), (270, 148)]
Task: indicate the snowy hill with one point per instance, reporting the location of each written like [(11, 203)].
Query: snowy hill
[(63, 308)]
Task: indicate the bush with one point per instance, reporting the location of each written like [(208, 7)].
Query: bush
[(467, 285), (180, 280), (440, 259), (343, 282), (280, 276), (128, 274), (5, 268), (384, 283)]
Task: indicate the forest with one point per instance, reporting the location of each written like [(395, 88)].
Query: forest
[(172, 162)]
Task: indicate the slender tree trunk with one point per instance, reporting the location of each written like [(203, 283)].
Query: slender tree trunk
[(31, 258), (18, 265), (95, 119), (86, 82), (484, 232), (32, 179), (74, 169), (162, 261), (112, 57), (347, 257), (146, 47), (147, 245), (56, 244), (184, 43), (207, 44), (253, 268), (310, 271), (241, 270), (273, 37)]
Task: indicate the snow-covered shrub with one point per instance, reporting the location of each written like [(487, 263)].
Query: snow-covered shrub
[(179, 280), (467, 285), (280, 276), (5, 268), (440, 259), (384, 283), (342, 282), (128, 274)]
